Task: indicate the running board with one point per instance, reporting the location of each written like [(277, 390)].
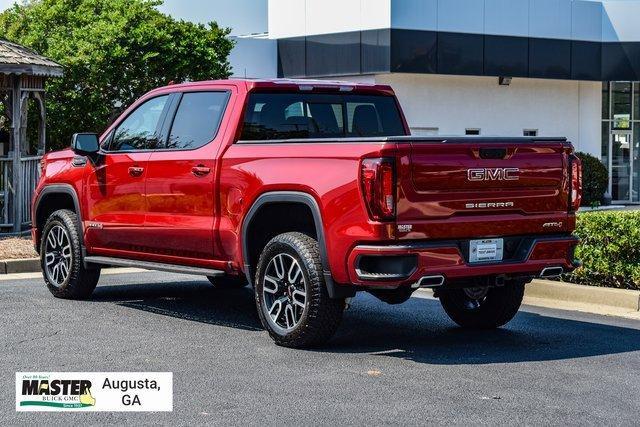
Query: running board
[(172, 268)]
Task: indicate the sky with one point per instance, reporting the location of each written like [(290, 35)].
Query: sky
[(243, 16)]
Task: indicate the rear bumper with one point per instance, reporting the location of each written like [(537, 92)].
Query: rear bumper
[(531, 255)]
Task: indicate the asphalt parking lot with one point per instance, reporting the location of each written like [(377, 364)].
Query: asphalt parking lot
[(403, 364)]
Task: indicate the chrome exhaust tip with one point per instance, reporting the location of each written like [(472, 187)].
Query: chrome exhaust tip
[(551, 272), (430, 281)]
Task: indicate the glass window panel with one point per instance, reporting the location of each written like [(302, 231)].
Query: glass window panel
[(197, 119), (300, 115), (506, 56), (586, 60), (414, 51), (333, 54), (291, 57), (460, 54), (621, 107), (549, 58), (139, 130), (376, 51), (621, 166)]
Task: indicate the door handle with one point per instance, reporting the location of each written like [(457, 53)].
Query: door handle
[(136, 171), (201, 170)]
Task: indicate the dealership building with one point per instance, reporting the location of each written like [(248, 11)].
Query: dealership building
[(467, 67)]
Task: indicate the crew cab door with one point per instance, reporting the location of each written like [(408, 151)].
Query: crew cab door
[(181, 196), (115, 184)]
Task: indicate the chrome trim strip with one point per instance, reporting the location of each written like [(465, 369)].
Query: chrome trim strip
[(551, 272), (438, 281)]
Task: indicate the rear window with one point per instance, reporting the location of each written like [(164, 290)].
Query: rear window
[(298, 115)]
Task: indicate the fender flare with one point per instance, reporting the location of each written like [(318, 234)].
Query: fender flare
[(334, 291), (61, 189)]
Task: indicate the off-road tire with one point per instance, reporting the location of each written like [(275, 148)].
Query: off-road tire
[(228, 282), (498, 307), (322, 315), (81, 281)]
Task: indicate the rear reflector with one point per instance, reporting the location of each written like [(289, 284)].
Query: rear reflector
[(378, 186)]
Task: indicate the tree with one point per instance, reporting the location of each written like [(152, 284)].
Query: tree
[(112, 51)]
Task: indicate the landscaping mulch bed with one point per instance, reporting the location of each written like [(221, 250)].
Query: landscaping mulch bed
[(17, 248)]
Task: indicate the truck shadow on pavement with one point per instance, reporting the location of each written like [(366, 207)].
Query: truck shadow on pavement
[(417, 330), (194, 301)]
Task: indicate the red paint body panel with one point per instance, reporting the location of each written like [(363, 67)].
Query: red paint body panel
[(169, 214), (115, 199)]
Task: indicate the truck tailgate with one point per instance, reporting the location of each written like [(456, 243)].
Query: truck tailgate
[(472, 187)]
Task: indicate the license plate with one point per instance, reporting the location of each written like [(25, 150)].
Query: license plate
[(485, 250)]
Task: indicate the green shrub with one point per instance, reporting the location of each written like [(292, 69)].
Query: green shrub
[(609, 249), (595, 179)]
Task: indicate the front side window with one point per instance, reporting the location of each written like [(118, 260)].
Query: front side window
[(272, 116), (197, 119), (139, 131)]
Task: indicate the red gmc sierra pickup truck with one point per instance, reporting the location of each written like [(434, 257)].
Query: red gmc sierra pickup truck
[(310, 191)]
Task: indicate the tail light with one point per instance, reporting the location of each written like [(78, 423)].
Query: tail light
[(576, 182), (378, 185)]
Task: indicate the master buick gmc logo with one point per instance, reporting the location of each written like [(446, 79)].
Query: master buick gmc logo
[(493, 174)]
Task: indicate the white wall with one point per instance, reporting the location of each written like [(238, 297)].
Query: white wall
[(559, 19), (454, 103), (292, 18)]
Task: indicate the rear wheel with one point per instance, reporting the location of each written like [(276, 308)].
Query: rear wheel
[(291, 295), (61, 258), (483, 308)]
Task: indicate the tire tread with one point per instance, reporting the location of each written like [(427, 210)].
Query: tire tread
[(82, 281), (324, 314)]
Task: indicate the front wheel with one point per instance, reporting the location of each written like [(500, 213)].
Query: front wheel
[(61, 258), (483, 308), (291, 295)]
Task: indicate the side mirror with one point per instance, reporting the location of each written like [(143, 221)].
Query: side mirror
[(85, 144)]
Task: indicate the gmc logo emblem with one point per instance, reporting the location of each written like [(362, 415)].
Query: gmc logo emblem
[(493, 174)]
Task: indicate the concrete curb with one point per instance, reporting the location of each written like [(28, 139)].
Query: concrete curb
[(10, 266), (570, 293)]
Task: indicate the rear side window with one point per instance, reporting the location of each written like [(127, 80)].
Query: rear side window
[(272, 116), (197, 119)]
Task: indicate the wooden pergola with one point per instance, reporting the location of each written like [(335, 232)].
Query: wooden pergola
[(22, 79)]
